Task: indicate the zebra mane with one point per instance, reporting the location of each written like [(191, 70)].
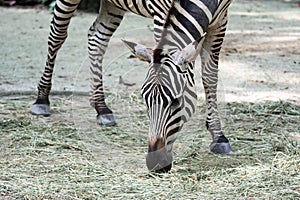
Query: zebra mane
[(167, 21), (171, 11), (159, 51)]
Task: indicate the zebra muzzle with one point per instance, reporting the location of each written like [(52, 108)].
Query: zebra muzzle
[(159, 161)]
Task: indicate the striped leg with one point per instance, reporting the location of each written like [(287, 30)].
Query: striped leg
[(210, 57), (63, 12), (99, 35)]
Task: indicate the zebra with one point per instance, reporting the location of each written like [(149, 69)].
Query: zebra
[(183, 29)]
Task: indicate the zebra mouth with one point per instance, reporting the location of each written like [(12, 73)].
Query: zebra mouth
[(159, 161)]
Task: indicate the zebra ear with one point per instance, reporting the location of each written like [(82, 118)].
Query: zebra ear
[(189, 53), (140, 51)]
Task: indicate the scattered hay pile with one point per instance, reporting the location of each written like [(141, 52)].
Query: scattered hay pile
[(46, 158)]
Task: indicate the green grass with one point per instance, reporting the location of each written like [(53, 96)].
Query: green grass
[(68, 156)]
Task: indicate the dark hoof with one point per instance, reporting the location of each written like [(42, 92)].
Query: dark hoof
[(40, 109), (221, 148), (106, 119)]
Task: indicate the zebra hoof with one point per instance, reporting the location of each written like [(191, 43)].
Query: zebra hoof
[(221, 148), (106, 119), (41, 109)]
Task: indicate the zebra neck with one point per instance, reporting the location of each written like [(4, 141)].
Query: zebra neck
[(186, 22)]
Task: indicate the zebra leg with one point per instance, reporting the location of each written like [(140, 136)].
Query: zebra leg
[(100, 32), (210, 57), (63, 12)]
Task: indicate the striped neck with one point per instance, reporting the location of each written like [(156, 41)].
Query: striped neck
[(187, 21)]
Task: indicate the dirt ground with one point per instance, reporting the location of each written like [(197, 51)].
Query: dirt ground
[(259, 62)]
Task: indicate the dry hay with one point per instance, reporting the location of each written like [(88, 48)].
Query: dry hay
[(51, 158)]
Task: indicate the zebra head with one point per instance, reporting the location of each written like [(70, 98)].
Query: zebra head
[(170, 96)]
